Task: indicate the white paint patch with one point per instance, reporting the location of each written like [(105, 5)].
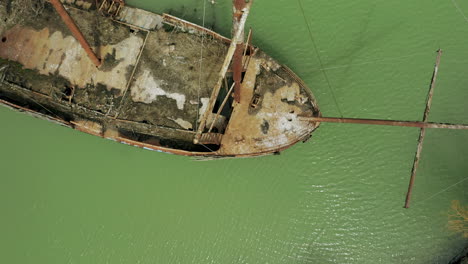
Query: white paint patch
[(140, 18), (53, 52), (273, 142), (290, 93), (146, 90), (182, 123), (281, 117), (271, 64), (126, 52), (203, 108)]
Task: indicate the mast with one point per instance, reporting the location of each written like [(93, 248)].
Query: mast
[(422, 132), (75, 31), (384, 122), (422, 125), (237, 67), (227, 60)]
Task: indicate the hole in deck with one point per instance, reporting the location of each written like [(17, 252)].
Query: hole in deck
[(4, 39), (67, 91), (248, 51)]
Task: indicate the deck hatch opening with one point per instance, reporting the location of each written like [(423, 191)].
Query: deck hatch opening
[(255, 101), (226, 111)]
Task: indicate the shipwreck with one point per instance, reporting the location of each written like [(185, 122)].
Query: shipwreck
[(158, 82), (148, 80)]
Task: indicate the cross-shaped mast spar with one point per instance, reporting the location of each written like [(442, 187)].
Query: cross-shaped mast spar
[(422, 125)]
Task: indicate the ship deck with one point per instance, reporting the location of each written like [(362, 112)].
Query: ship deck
[(154, 84)]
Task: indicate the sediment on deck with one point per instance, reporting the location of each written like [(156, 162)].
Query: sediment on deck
[(153, 85)]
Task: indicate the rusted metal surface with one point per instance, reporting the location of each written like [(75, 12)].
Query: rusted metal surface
[(75, 31), (237, 60), (175, 21), (385, 122), (51, 53), (89, 127), (140, 18), (158, 110), (422, 133), (239, 4), (221, 76), (111, 7), (211, 138), (237, 69), (274, 123), (178, 22)]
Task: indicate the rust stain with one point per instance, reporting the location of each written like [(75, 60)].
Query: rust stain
[(51, 53), (75, 31), (239, 4), (237, 67), (245, 133), (89, 127), (185, 24), (265, 113)]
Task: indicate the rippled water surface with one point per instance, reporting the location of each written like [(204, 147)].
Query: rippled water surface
[(68, 197)]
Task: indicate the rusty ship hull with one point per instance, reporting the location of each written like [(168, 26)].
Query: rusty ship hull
[(154, 84)]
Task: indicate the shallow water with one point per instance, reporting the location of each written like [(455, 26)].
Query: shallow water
[(68, 197)]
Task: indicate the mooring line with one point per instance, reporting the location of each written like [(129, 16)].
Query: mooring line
[(319, 58), (459, 10), (437, 193), (207, 147), (371, 61)]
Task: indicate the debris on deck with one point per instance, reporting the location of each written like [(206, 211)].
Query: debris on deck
[(153, 86)]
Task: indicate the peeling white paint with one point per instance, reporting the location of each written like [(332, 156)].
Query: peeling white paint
[(271, 64), (272, 142), (51, 53), (146, 90), (140, 18), (203, 108), (290, 93), (182, 123)]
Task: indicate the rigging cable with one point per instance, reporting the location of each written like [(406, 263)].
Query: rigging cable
[(459, 10), (201, 64), (434, 195), (319, 58)]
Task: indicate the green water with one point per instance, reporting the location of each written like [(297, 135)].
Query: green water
[(68, 197)]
